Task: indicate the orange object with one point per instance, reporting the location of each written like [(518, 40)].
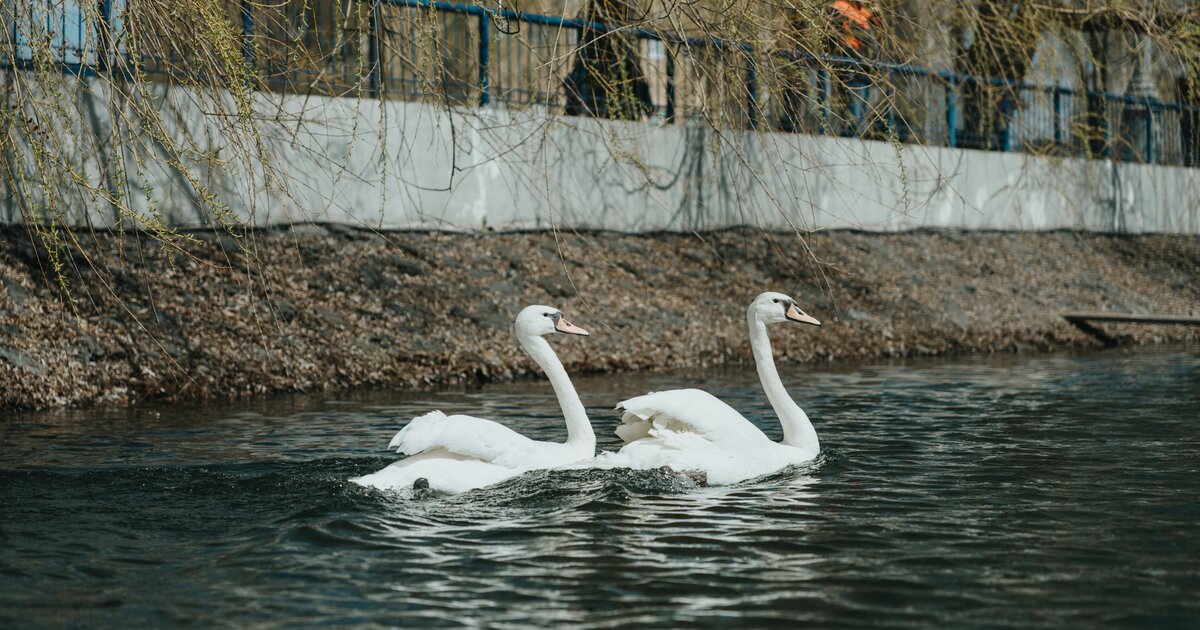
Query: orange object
[(855, 12), (856, 15)]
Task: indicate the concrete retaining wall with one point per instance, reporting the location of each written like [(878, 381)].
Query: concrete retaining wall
[(494, 168)]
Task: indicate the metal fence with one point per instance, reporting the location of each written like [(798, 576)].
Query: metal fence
[(468, 55)]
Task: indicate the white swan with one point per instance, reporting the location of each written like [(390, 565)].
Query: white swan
[(453, 454), (692, 430)]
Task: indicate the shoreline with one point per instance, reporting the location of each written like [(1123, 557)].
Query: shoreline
[(330, 308)]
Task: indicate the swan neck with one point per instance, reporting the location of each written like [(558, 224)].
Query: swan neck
[(797, 429), (579, 429)]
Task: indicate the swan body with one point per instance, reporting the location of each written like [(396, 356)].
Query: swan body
[(454, 454), (690, 429)]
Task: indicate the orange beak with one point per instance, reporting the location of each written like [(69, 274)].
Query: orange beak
[(564, 326), (795, 314)]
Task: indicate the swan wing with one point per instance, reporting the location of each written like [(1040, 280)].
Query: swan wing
[(473, 438), (688, 414)]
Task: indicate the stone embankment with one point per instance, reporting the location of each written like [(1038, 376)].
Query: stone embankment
[(329, 308)]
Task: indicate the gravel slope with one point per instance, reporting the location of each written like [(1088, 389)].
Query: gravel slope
[(328, 307)]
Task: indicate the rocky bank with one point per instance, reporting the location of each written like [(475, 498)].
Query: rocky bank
[(330, 307)]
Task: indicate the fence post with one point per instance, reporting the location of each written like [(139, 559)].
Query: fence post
[(1006, 135), (856, 96), (824, 97), (248, 33), (1191, 139), (375, 86), (751, 80), (1108, 134), (1150, 139), (952, 112), (104, 41), (889, 93), (485, 96), (1058, 132), (13, 60), (670, 84)]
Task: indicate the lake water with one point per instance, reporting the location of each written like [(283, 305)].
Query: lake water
[(1052, 491)]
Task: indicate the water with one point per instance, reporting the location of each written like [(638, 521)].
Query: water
[(1050, 491)]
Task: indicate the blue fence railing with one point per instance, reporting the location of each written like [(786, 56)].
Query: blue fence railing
[(471, 55)]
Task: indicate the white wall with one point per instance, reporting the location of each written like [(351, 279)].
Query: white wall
[(494, 168)]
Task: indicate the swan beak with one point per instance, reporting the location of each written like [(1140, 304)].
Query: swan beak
[(564, 326), (795, 314)]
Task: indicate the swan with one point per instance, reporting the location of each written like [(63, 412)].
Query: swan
[(454, 454), (692, 430)]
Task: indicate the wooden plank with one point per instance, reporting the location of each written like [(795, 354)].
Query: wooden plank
[(1080, 321), (1082, 324), (1132, 319)]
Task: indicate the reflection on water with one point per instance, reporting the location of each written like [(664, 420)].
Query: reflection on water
[(1044, 491)]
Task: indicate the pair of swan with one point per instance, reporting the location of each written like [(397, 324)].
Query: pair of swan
[(687, 430)]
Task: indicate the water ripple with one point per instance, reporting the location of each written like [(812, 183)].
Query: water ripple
[(1044, 492)]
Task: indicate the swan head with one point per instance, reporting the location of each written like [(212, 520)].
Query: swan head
[(773, 308), (540, 321)]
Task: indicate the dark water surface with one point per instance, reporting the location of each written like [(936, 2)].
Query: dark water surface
[(1049, 491)]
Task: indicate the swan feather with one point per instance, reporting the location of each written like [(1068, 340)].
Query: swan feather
[(684, 411), (468, 436)]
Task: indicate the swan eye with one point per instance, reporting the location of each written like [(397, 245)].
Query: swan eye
[(776, 300)]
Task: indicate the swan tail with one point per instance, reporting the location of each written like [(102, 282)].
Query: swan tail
[(444, 473), (398, 476)]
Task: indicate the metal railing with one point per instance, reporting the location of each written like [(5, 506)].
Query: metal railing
[(470, 55)]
